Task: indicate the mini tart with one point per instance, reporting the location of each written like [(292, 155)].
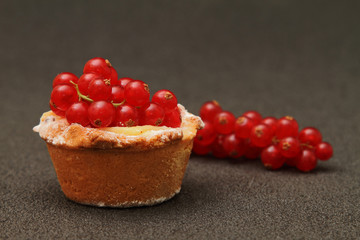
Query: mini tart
[(119, 166)]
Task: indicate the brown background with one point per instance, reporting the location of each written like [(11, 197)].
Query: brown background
[(279, 57)]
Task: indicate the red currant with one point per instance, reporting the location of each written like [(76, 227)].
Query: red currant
[(251, 151), (323, 151), (272, 158), (172, 118), (224, 122), (254, 115), (62, 96), (126, 116), (209, 110), (260, 135), (166, 99), (287, 127), (310, 135), (78, 113), (85, 80), (56, 110), (113, 76), (101, 113), (99, 66), (200, 149), (65, 78), (117, 94), (124, 81), (151, 114), (217, 147), (289, 147), (271, 122), (233, 146), (306, 161), (243, 126), (137, 93), (100, 89), (206, 135)]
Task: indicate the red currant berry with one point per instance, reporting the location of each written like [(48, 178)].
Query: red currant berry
[(224, 122), (206, 135), (126, 116), (310, 135), (113, 76), (101, 113), (84, 81), (124, 81), (65, 78), (272, 158), (209, 110), (166, 99), (78, 113), (323, 151), (152, 114), (289, 147), (62, 96), (172, 119), (260, 135), (271, 122), (233, 146), (251, 151), (254, 115), (99, 66), (100, 89), (287, 127), (217, 147), (117, 94), (200, 149), (243, 126), (306, 161), (137, 93), (56, 110)]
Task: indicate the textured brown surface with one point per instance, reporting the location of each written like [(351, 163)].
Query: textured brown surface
[(298, 58), (119, 178)]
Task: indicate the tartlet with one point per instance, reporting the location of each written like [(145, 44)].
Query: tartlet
[(119, 166)]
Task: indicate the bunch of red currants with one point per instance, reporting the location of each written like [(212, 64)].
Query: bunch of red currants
[(99, 99), (275, 141)]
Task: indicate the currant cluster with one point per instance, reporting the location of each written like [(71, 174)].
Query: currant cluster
[(275, 141), (99, 99)]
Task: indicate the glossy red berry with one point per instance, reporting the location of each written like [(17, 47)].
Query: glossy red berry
[(99, 66), (137, 93), (260, 135), (310, 135), (209, 110), (151, 114), (224, 122), (100, 89), (200, 149), (166, 99), (272, 158), (243, 126), (101, 113), (306, 161), (124, 81), (84, 81), (323, 151), (65, 78), (117, 94), (113, 76), (287, 127), (126, 116), (271, 122), (63, 96), (206, 135), (233, 146), (172, 118), (254, 115), (78, 113), (56, 110), (289, 147), (217, 147)]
